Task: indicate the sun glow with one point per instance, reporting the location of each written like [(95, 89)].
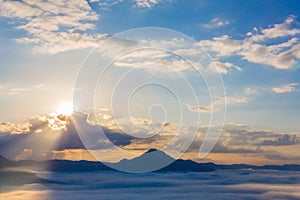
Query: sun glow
[(65, 108)]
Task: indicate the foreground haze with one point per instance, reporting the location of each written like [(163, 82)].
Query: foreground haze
[(237, 184)]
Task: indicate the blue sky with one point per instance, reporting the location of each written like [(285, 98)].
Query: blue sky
[(254, 45)]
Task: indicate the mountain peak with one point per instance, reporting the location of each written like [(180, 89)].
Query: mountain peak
[(151, 160), (151, 150), (4, 163)]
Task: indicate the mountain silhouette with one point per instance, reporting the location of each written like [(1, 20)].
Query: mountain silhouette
[(146, 162), (151, 160), (5, 163), (12, 175)]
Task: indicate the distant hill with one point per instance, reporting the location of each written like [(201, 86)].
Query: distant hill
[(63, 165), (144, 162), (5, 163), (149, 161), (11, 175)]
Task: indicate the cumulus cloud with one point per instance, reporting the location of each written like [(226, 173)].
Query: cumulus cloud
[(53, 26), (58, 137), (253, 48), (222, 46), (153, 60), (146, 3), (223, 68), (241, 139), (215, 23), (53, 133), (7, 127), (285, 88)]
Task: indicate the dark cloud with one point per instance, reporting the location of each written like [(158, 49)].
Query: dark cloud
[(42, 136), (221, 148), (281, 141)]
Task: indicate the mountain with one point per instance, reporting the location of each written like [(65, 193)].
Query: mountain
[(152, 159), (143, 163), (188, 166), (5, 163), (159, 161), (63, 165), (11, 175)]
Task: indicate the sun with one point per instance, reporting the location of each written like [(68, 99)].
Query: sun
[(65, 108)]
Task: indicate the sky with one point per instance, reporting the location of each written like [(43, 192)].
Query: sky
[(153, 69)]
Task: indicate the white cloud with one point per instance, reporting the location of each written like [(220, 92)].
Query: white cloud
[(22, 90), (202, 109), (253, 48), (137, 3), (236, 100), (278, 30), (250, 91), (215, 23), (53, 26), (223, 46), (107, 3), (223, 68), (146, 3), (216, 105), (6, 127), (285, 88)]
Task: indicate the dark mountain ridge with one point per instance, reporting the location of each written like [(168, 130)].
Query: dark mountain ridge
[(174, 166)]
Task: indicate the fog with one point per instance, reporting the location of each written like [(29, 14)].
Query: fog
[(238, 184)]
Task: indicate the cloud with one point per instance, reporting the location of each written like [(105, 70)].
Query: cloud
[(215, 23), (58, 137), (7, 127), (53, 26), (146, 3), (22, 90), (217, 104), (253, 48), (221, 148), (285, 88), (229, 184), (281, 141), (107, 2), (277, 30), (223, 68), (201, 109), (250, 91), (222, 46), (38, 137), (153, 60), (236, 100)]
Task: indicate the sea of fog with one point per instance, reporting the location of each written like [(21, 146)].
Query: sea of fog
[(224, 184)]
